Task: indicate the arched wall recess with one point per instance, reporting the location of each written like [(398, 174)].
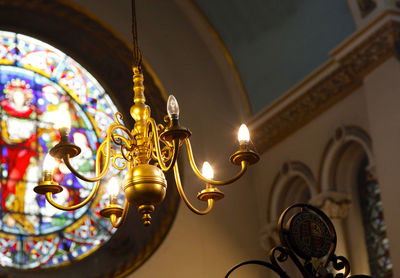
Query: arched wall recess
[(295, 179), (347, 154), (337, 146), (285, 179), (340, 161)]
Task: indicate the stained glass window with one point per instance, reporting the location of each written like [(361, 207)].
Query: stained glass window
[(374, 226), (36, 79)]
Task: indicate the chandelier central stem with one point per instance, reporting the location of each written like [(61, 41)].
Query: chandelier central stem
[(141, 113)]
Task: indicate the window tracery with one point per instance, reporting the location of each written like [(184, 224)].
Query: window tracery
[(36, 79)]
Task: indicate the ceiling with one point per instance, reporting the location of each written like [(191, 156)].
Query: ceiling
[(277, 43), (274, 44)]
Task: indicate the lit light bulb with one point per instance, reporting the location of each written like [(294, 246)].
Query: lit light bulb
[(207, 170), (113, 186), (172, 107), (63, 119), (243, 134), (49, 163)]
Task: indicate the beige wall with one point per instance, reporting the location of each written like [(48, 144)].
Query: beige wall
[(373, 108)]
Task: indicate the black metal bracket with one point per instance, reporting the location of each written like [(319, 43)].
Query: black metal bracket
[(308, 238)]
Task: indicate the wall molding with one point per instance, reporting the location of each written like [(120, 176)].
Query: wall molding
[(340, 76)]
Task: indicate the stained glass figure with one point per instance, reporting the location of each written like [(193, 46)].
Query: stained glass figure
[(36, 80)]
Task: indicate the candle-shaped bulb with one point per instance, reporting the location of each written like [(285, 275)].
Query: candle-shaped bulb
[(172, 107), (113, 186), (207, 170), (49, 163), (243, 134), (63, 119)]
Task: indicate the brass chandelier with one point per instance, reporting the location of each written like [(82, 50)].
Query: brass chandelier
[(144, 153)]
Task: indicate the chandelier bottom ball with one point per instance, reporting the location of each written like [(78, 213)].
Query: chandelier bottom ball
[(145, 187)]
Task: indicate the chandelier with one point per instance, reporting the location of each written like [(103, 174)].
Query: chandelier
[(143, 153)]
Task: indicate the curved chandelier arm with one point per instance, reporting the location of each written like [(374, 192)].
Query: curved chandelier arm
[(49, 195), (124, 143), (82, 177), (244, 165), (104, 149), (210, 202), (175, 147), (120, 140), (117, 221), (117, 138), (274, 268), (49, 198)]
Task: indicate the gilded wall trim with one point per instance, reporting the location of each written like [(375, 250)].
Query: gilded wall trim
[(376, 48)]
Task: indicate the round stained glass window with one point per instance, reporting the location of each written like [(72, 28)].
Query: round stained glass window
[(35, 81)]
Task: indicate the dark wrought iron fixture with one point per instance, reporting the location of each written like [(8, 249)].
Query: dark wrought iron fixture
[(308, 238)]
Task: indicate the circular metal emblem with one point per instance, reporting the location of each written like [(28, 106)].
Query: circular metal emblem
[(309, 235)]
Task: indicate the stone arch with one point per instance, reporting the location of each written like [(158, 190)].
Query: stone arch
[(349, 151), (291, 174), (350, 141)]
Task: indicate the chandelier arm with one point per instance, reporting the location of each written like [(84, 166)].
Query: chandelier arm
[(244, 165), (117, 221), (175, 146), (123, 155), (49, 198), (118, 118), (107, 153), (121, 141), (118, 125), (96, 178), (124, 162), (210, 202), (49, 195)]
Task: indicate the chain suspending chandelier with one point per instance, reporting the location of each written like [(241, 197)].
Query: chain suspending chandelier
[(145, 153)]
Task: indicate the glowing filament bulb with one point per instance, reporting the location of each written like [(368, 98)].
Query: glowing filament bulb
[(63, 119), (172, 106), (49, 163), (243, 134), (113, 186), (207, 170)]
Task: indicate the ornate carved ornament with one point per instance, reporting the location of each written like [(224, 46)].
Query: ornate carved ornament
[(366, 6), (342, 76)]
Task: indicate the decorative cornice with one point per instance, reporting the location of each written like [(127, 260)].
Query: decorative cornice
[(345, 76)]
